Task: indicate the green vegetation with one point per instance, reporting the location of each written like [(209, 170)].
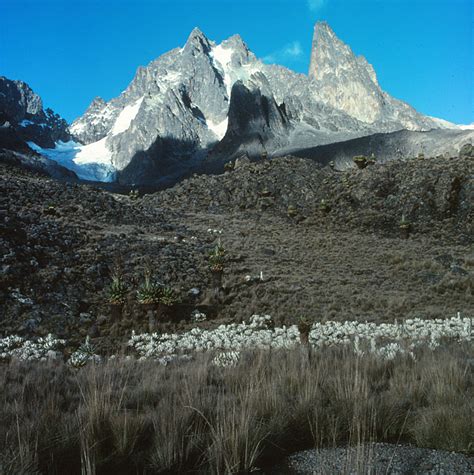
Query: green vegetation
[(168, 297), (229, 166), (118, 288), (324, 206), (133, 195), (292, 211), (372, 160), (265, 193), (304, 327), (150, 291), (217, 259), (404, 223), (360, 161), (405, 227)]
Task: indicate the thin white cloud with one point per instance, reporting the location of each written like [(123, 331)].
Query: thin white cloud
[(291, 51), (315, 5)]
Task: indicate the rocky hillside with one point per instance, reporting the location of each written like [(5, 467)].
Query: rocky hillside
[(300, 240), (403, 144)]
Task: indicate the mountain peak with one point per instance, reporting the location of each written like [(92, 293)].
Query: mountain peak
[(194, 95), (197, 40), (329, 53), (323, 25), (197, 33), (345, 81), (236, 42), (327, 50), (97, 102)]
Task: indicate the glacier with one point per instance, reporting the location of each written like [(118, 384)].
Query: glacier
[(90, 162)]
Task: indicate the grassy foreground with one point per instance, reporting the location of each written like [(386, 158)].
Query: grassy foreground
[(126, 417)]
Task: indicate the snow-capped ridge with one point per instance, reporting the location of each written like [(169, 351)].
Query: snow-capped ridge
[(183, 97)]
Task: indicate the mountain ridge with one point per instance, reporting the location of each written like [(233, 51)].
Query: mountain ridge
[(182, 111), (186, 97)]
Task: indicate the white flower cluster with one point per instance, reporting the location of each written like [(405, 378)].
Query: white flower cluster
[(42, 349), (233, 337), (414, 330), (198, 316), (227, 359), (214, 231), (17, 295), (85, 354), (254, 278), (390, 351), (384, 340)]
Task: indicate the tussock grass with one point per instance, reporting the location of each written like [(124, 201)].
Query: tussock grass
[(140, 417)]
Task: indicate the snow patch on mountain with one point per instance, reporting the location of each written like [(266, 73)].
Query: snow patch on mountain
[(218, 129), (89, 162), (232, 71), (444, 124), (222, 57), (123, 121)]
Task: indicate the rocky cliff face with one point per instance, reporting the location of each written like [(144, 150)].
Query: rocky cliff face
[(255, 123), (212, 101), (349, 83), (21, 110)]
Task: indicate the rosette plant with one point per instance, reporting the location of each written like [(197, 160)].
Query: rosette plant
[(217, 259), (324, 206), (118, 289), (150, 290), (117, 292), (360, 161), (168, 297)]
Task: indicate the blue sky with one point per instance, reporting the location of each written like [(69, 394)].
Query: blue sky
[(70, 51)]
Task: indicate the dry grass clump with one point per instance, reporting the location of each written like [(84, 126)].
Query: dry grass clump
[(141, 417)]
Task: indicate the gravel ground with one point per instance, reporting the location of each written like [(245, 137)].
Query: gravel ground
[(376, 459)]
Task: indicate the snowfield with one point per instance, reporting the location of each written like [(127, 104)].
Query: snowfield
[(89, 162), (125, 117), (219, 129)]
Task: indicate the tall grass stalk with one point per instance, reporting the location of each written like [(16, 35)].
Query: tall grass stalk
[(142, 417)]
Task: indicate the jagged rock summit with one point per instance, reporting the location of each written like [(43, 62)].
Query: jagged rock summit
[(22, 112), (26, 125), (349, 83), (205, 103), (343, 80)]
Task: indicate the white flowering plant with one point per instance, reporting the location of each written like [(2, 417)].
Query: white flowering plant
[(83, 355), (41, 349), (385, 340)]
